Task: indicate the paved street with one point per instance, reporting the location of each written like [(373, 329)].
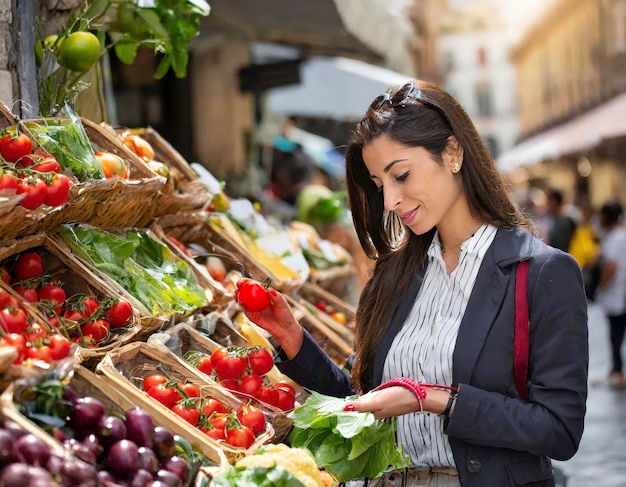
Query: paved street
[(601, 459)]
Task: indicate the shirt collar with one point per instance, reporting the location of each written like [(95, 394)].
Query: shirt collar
[(475, 245)]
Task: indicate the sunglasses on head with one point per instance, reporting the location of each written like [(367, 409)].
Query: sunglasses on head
[(401, 98)]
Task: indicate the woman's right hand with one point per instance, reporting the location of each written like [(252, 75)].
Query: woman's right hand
[(278, 320)]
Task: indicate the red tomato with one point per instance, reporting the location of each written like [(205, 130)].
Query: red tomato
[(85, 341), (218, 354), (190, 389), (231, 384), (8, 184), (14, 147), (219, 420), (34, 332), (253, 296), (28, 293), (188, 413), (286, 386), (48, 164), (18, 341), (119, 314), (252, 417), (286, 401), (59, 346), (88, 306), (98, 329), (205, 365), (261, 361), (215, 433), (51, 293), (42, 353), (5, 298), (72, 315), (268, 395), (35, 191), (241, 436), (152, 380), (27, 266), (13, 320), (57, 190), (230, 368), (168, 396), (251, 384), (54, 321), (211, 405)]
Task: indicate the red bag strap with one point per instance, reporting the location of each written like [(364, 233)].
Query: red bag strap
[(520, 343)]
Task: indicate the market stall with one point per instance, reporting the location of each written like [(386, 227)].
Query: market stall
[(119, 298)]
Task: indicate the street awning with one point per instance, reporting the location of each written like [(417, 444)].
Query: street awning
[(314, 26), (338, 88), (581, 134)]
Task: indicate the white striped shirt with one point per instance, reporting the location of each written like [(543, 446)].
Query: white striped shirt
[(422, 350)]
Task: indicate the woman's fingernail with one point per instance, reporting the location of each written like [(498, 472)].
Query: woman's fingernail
[(273, 292), (348, 407)]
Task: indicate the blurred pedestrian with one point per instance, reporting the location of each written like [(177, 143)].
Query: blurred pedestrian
[(561, 226), (585, 247), (432, 210), (611, 291)]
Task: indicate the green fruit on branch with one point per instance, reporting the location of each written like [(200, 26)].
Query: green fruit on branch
[(79, 51)]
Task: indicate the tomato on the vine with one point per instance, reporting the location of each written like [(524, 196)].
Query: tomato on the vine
[(252, 296), (231, 384), (285, 401), (230, 368), (14, 147), (98, 329), (205, 365), (88, 306), (286, 386), (52, 293), (190, 389), (119, 314), (261, 361), (252, 417), (268, 395), (166, 395), (57, 190), (42, 353), (251, 384), (27, 266), (211, 405), (240, 436), (34, 189), (8, 184), (218, 354), (28, 293), (59, 346), (48, 164), (13, 319), (34, 332), (152, 380), (18, 341), (215, 433), (187, 411)]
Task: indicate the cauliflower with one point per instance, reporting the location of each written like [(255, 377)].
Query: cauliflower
[(298, 461)]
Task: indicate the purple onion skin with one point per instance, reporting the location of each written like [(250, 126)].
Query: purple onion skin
[(122, 458), (111, 429), (164, 443), (147, 459), (86, 414), (75, 472), (33, 450), (139, 427), (81, 450), (20, 475), (8, 452), (170, 479), (178, 466), (141, 478)]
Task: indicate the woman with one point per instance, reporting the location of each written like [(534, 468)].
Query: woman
[(430, 207)]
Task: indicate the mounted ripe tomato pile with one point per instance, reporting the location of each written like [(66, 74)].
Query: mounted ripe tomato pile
[(243, 370), (218, 420), (80, 317), (31, 172)]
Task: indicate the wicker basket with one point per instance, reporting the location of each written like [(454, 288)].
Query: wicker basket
[(189, 193), (85, 383), (185, 339), (125, 368), (62, 265)]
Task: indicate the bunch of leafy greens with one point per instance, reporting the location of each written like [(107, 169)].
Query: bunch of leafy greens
[(141, 264), (257, 476), (66, 140), (349, 445)]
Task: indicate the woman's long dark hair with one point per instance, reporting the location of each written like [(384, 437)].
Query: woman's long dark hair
[(419, 114)]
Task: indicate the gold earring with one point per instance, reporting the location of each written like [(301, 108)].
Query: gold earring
[(456, 168)]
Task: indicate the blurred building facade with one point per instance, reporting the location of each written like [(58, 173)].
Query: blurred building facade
[(472, 46), (571, 78)]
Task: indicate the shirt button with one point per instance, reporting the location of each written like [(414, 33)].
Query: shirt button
[(473, 465)]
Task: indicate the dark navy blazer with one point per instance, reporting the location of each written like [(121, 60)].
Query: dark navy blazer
[(497, 439)]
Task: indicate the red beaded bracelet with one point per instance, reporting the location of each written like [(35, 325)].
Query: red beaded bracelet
[(413, 386)]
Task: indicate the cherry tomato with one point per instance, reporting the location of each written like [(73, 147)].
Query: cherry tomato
[(268, 395), (13, 320), (285, 386), (153, 380), (241, 436), (251, 384), (52, 293), (48, 163), (57, 191), (168, 396), (98, 329), (253, 296), (215, 433), (188, 413), (230, 368), (72, 315), (261, 361), (18, 341), (88, 306), (220, 420), (286, 401), (34, 332), (59, 346), (8, 184), (119, 314), (211, 405), (5, 298), (28, 293), (42, 353), (231, 384), (205, 365), (218, 354), (35, 191), (190, 389), (252, 417), (12, 148), (27, 266)]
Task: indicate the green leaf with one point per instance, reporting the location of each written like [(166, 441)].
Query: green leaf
[(96, 9), (162, 69), (152, 19), (126, 51)]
